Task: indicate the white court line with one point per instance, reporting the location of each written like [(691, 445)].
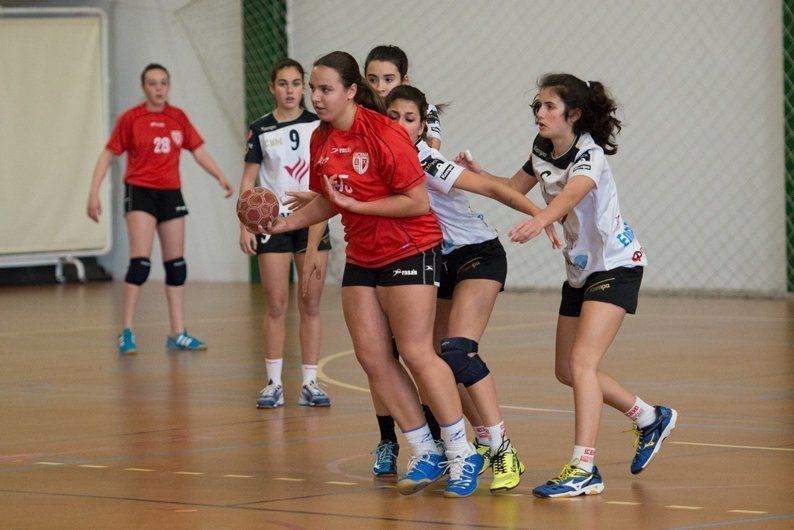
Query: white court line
[(49, 463), (288, 479), (752, 512), (341, 483), (239, 476), (140, 469), (758, 447), (92, 466), (187, 473), (625, 503), (679, 507)]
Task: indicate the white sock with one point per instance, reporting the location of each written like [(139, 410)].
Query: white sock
[(309, 373), (585, 456), (421, 441), (641, 413), (274, 370), (496, 433), (481, 434), (454, 437)]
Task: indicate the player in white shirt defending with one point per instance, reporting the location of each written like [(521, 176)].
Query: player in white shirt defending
[(474, 269), (277, 157), (604, 261)]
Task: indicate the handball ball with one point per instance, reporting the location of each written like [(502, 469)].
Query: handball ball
[(255, 207)]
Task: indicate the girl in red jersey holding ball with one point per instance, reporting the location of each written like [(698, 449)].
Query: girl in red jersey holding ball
[(153, 135), (391, 276)]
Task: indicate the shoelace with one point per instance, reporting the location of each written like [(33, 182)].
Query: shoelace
[(269, 390), (499, 461), (416, 460), (456, 467), (314, 389), (567, 472), (384, 452)]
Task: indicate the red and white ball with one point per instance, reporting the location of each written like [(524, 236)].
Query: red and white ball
[(257, 207)]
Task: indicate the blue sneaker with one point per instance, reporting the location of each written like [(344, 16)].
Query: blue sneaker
[(649, 439), (127, 342), (423, 470), (463, 474), (385, 459), (270, 397), (313, 396), (571, 482), (183, 341)]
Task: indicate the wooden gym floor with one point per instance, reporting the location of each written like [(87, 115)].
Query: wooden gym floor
[(91, 439)]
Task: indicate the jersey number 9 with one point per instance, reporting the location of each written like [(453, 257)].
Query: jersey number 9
[(295, 139)]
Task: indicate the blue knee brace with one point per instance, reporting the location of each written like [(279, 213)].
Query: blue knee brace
[(460, 354), (138, 271), (175, 271)]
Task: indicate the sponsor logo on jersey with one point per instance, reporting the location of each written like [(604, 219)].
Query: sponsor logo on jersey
[(431, 165), (340, 150), (181, 208), (299, 170), (361, 162), (176, 136), (156, 124), (273, 142), (544, 174), (580, 261), (405, 272), (637, 256), (580, 167), (626, 237), (268, 128)]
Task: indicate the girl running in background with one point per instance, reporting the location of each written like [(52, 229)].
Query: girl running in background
[(473, 272), (604, 262), (153, 135), (391, 276), (277, 157)]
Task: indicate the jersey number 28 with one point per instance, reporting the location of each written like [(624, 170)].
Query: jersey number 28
[(162, 144)]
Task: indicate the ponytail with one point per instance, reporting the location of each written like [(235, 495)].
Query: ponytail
[(348, 70), (595, 103)]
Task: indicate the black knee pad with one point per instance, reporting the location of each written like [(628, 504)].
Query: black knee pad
[(394, 351), (467, 368), (138, 271), (175, 271)]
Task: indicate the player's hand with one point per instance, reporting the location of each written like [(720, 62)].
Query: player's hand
[(312, 266), (298, 199), (551, 232), (223, 183), (465, 160), (247, 242), (276, 226), (340, 199), (94, 208), (525, 230)]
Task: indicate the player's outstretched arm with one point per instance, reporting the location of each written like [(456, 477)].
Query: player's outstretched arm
[(208, 164), (317, 211), (94, 208), (521, 181)]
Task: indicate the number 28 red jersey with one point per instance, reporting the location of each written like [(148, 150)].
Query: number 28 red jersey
[(374, 159), (153, 141)]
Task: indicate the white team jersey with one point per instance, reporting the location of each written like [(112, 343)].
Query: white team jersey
[(459, 224), (282, 151), (596, 235), (433, 122)]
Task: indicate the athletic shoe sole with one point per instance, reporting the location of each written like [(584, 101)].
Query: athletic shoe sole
[(407, 487), (665, 433), (277, 405), (179, 348), (305, 403)]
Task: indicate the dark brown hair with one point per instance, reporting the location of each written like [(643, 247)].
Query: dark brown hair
[(153, 66), (288, 63), (348, 70)]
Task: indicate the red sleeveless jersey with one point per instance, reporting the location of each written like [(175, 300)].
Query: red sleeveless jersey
[(373, 160), (153, 141)]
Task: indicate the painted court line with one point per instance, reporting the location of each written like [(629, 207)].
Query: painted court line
[(678, 507), (342, 483), (49, 463), (140, 469), (184, 511), (753, 512), (92, 466), (187, 473), (239, 476), (625, 503), (761, 448), (290, 479)]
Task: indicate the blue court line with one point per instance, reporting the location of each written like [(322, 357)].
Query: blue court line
[(737, 521)]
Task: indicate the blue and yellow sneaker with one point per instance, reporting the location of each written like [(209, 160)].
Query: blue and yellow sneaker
[(485, 453), (183, 341), (571, 482), (127, 342), (423, 470), (463, 474), (649, 439), (313, 396), (385, 458), (271, 396)]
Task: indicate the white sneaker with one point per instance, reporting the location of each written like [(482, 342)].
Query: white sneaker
[(271, 396)]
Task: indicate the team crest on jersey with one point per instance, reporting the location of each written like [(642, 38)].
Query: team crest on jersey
[(176, 136), (361, 162)]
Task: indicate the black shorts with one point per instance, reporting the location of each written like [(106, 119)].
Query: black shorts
[(480, 261), (292, 242), (619, 286), (163, 205), (419, 269)]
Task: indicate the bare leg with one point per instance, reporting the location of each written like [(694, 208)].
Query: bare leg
[(140, 228), (274, 274), (172, 245), (309, 308)]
